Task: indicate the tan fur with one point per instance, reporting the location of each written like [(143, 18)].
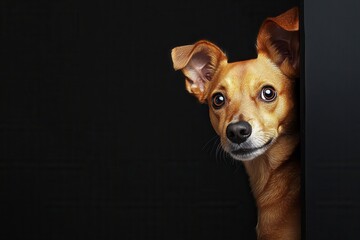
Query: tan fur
[(274, 175)]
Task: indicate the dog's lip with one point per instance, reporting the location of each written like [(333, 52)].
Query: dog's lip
[(242, 151)]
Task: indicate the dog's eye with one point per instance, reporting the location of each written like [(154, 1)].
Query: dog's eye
[(218, 100), (268, 94)]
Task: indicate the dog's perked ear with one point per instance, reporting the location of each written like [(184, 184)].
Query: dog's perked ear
[(199, 63), (278, 38)]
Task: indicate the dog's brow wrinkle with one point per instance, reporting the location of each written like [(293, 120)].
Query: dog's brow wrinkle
[(222, 87)]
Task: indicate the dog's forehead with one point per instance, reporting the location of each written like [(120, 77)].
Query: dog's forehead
[(249, 73), (236, 69), (236, 72)]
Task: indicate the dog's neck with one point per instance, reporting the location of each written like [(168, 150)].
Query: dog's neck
[(261, 169), (275, 178)]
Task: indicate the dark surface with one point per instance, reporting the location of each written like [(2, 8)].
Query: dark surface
[(332, 119), (99, 139)]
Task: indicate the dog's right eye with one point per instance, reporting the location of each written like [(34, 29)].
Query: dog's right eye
[(218, 100), (268, 94)]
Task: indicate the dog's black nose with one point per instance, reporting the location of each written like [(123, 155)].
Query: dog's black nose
[(238, 132)]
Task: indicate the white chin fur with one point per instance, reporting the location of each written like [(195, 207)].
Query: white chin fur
[(248, 156), (251, 155), (260, 142)]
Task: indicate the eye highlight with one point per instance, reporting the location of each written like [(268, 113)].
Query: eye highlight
[(218, 100), (268, 94)]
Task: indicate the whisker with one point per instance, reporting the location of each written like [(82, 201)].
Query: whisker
[(208, 142), (223, 156), (218, 148), (216, 143)]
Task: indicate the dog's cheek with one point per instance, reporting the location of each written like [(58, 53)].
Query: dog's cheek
[(269, 115), (283, 112), (269, 122)]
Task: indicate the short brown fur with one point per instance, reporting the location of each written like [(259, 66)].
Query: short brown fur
[(274, 171)]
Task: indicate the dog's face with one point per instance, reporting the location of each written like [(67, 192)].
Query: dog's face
[(251, 103)]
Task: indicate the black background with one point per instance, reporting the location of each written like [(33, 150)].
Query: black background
[(99, 139)]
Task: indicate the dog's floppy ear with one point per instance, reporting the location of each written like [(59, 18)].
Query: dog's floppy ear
[(199, 63), (278, 38)]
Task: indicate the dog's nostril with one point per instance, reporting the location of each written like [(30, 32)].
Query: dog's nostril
[(244, 132), (238, 132), (231, 134)]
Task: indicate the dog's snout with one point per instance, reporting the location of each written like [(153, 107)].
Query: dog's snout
[(238, 132)]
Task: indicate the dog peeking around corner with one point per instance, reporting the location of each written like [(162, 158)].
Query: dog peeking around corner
[(253, 109)]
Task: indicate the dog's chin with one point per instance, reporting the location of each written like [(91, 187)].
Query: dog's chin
[(248, 154)]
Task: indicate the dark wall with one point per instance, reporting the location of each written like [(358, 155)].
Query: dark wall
[(99, 139), (332, 128)]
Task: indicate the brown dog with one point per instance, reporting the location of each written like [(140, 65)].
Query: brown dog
[(252, 106)]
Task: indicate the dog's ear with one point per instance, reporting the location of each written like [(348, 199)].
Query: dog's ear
[(199, 63), (278, 38)]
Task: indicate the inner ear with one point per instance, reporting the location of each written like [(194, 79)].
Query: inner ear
[(278, 39), (201, 67), (283, 47), (204, 62), (282, 42), (199, 63)]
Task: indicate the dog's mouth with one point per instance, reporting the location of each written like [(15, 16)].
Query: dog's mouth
[(250, 153)]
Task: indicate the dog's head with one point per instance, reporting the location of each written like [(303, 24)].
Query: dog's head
[(251, 103)]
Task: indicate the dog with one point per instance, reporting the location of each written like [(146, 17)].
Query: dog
[(253, 109)]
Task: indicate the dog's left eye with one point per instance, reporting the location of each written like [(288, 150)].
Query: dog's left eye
[(268, 94), (218, 100)]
